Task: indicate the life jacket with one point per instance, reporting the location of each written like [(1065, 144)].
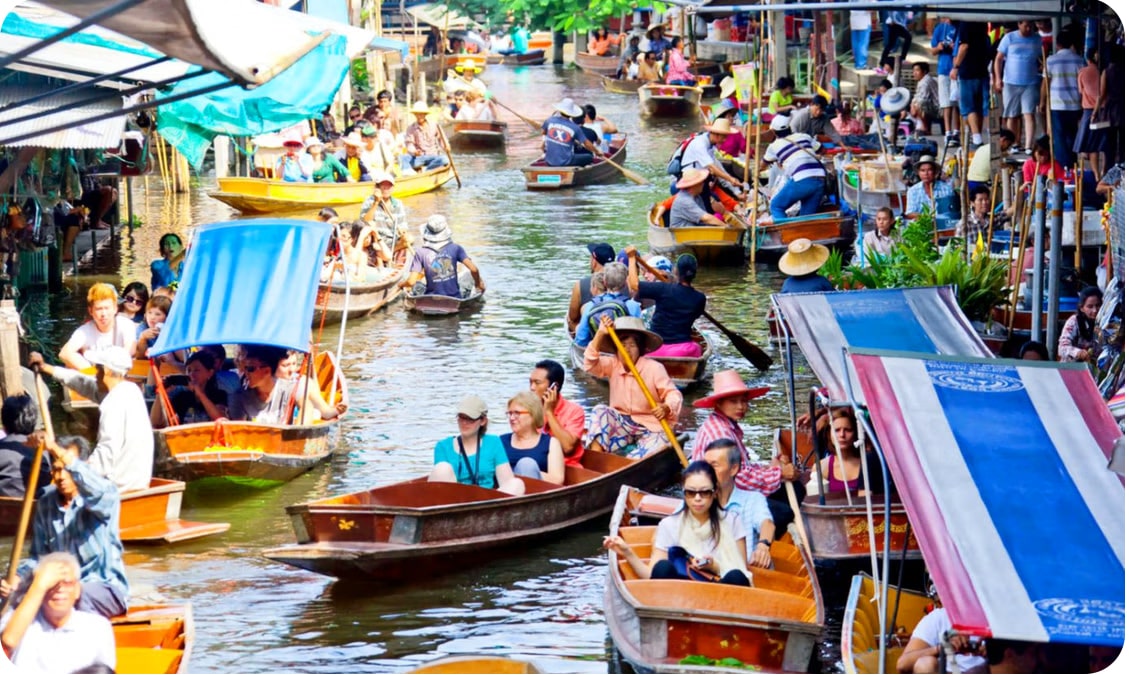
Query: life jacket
[(613, 306)]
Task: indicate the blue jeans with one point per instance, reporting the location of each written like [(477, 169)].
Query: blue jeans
[(809, 192), (1064, 124), (683, 83), (429, 162), (974, 96), (860, 45)]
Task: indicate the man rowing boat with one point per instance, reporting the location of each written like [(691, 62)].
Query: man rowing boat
[(436, 262)]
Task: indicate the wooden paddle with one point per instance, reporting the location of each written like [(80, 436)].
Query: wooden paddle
[(752, 353), (32, 482), (523, 118), (628, 173), (447, 149), (647, 392)]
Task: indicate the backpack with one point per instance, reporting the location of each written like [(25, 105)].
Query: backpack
[(613, 307), (674, 166)]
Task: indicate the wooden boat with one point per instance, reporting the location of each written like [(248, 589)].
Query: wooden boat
[(416, 529), (478, 133), (533, 57), (453, 60), (862, 631), (597, 65), (669, 100), (252, 454), (365, 297), (265, 195), (445, 305), (830, 229), (657, 624), (541, 39), (775, 330), (149, 516), (836, 529), (1023, 319), (154, 639), (473, 665), (618, 86), (686, 372), (541, 176), (710, 244)]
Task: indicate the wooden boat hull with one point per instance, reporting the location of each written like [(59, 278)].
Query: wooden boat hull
[(364, 298), (618, 86), (656, 623), (685, 372), (533, 57), (473, 665), (668, 100), (775, 330), (154, 639), (416, 529), (597, 65), (149, 516), (263, 195), (445, 305), (478, 133), (710, 244), (859, 640), (544, 177), (830, 229), (252, 454)]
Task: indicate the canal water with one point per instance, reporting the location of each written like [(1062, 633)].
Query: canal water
[(406, 376)]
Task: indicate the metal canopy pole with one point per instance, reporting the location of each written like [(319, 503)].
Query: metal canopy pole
[(79, 86), (92, 20), (1040, 229), (1055, 265)]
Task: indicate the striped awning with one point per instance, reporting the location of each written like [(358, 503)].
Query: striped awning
[(44, 114)]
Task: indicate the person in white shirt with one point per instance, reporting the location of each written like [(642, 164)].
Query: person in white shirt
[(477, 108), (924, 650), (105, 328), (123, 452), (860, 37)]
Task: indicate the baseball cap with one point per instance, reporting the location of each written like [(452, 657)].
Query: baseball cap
[(473, 407), (780, 123), (603, 253)]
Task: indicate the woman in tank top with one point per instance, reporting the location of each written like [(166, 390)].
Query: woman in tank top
[(531, 453)]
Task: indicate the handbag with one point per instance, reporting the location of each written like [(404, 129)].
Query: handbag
[(684, 564), (1100, 118)]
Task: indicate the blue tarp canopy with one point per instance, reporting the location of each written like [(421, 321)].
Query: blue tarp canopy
[(248, 282)]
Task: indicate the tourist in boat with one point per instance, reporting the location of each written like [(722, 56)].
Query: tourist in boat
[(842, 467), (648, 68), (201, 400), (1079, 335), (801, 262), (806, 177), (156, 312), (134, 298), (699, 152), (657, 43), (602, 126), (477, 108), (628, 424), (474, 457), (925, 650), (881, 240), (104, 329), (601, 43), (424, 141), (350, 158), (726, 456), (780, 100), (733, 145), (934, 193), (627, 58), (374, 153), (123, 451), (468, 76), (229, 381), (353, 261), (599, 254), (814, 121), (268, 400), (564, 141), (678, 68), (686, 209), (435, 265), (17, 447), (532, 452), (1033, 351), (47, 634), (295, 166), (79, 514), (677, 305), (326, 168), (165, 271), (700, 537), (564, 419), (614, 301), (386, 118), (974, 227)]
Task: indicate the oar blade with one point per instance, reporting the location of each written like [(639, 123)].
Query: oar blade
[(760, 359)]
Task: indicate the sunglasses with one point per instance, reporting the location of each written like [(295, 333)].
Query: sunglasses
[(690, 494), (133, 299)]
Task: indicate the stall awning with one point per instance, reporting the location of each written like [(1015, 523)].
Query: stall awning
[(98, 135), (907, 319), (958, 10), (442, 17), (1001, 466), (248, 282)]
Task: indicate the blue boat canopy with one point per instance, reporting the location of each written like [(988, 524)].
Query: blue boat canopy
[(248, 282)]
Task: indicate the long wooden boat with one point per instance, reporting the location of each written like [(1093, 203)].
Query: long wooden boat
[(252, 454), (659, 624), (838, 529), (710, 244), (364, 297), (149, 516), (139, 374), (490, 133), (541, 176), (862, 626), (154, 639), (533, 57), (669, 100), (686, 372), (417, 529), (445, 305), (597, 65), (474, 665), (618, 86), (833, 230), (266, 195)]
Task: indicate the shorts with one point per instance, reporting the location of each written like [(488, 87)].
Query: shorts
[(974, 97), (1020, 99), (945, 93)]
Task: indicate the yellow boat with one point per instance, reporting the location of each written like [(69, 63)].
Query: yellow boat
[(154, 639), (266, 195), (862, 630), (477, 664), (710, 244)]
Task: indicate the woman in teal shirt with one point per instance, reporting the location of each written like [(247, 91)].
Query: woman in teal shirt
[(474, 457), (327, 168)]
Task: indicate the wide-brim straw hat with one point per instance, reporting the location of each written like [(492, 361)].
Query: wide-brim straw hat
[(723, 126), (803, 257), (927, 159), (728, 86), (467, 64), (726, 384), (656, 24), (691, 177), (626, 326), (419, 108)]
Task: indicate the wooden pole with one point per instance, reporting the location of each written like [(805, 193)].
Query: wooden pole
[(647, 392), (11, 381), (1079, 174)]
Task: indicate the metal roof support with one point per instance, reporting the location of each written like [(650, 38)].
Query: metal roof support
[(77, 86), (92, 20)]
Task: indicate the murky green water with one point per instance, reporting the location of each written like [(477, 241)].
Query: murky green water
[(405, 377)]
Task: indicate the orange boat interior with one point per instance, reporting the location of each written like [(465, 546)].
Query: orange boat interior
[(153, 639)]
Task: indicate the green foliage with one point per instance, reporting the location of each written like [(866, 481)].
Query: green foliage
[(727, 662), (489, 12), (569, 15), (359, 78)]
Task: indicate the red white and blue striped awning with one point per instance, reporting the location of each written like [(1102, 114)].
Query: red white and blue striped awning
[(1002, 467)]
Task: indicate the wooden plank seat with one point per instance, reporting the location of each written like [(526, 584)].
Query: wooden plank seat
[(703, 597), (148, 660)]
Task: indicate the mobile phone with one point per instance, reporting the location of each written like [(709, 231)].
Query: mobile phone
[(553, 387)]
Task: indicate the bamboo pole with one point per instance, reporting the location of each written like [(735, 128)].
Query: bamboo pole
[(1079, 176)]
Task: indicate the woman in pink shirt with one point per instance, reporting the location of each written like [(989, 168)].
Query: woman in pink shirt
[(678, 68), (734, 144)]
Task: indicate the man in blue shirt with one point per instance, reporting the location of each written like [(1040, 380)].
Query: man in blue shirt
[(1017, 76), (943, 46), (725, 456), (565, 142), (801, 262)]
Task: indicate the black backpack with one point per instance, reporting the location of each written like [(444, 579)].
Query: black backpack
[(674, 165)]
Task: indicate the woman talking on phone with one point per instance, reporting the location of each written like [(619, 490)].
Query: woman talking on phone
[(699, 542)]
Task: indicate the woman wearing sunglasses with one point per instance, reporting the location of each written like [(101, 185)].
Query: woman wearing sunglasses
[(265, 398), (700, 542), (474, 457), (135, 298)]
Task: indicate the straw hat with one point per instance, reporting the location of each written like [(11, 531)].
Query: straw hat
[(728, 86), (467, 64), (728, 383), (691, 177), (722, 126), (568, 107), (420, 108), (627, 326), (656, 24), (803, 257), (927, 159)]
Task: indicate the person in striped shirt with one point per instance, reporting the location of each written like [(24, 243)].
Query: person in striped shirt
[(806, 177), (1066, 98)]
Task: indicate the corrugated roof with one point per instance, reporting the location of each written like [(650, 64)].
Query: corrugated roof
[(79, 134)]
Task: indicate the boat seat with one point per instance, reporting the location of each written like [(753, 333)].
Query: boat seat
[(533, 486), (147, 660), (720, 598), (416, 494), (637, 535), (775, 580), (578, 474)]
